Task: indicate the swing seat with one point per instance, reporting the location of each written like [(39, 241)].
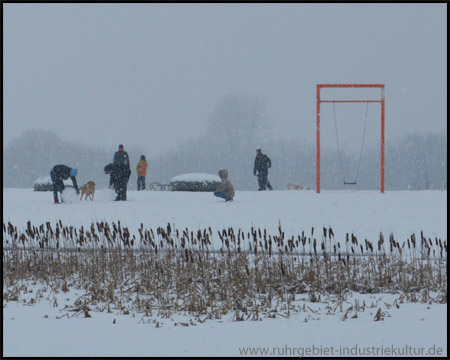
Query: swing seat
[(349, 183)]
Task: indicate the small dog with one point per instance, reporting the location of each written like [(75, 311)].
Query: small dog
[(88, 189)]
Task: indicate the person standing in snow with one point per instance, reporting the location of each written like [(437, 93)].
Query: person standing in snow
[(58, 174), (141, 169), (225, 190), (121, 162), (110, 170), (261, 169)]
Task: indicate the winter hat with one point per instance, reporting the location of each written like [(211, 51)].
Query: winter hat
[(73, 172), (142, 157), (107, 168)]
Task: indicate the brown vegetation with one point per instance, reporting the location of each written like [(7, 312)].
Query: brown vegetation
[(180, 271)]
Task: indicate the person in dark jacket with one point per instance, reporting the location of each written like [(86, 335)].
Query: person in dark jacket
[(121, 162), (261, 169), (58, 174), (110, 170)]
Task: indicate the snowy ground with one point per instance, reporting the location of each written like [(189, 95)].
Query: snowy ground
[(39, 325), (365, 213)]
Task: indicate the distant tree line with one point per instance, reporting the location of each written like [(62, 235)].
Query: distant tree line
[(236, 127)]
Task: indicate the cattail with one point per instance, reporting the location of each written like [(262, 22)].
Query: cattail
[(282, 268)]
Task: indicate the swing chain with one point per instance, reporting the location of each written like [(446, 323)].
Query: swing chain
[(339, 149)]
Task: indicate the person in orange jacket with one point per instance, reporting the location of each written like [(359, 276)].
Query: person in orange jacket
[(141, 169)]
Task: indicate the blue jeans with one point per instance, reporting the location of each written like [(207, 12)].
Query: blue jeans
[(221, 194), (141, 183)]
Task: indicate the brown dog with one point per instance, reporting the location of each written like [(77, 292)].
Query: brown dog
[(88, 189), (297, 187)]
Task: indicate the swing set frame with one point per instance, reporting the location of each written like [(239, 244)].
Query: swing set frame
[(319, 101)]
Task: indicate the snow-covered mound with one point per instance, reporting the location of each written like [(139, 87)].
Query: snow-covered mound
[(195, 182)]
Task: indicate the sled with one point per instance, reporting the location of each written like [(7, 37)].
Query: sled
[(157, 186), (296, 187)]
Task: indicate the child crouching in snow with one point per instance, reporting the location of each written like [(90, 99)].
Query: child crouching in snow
[(225, 190)]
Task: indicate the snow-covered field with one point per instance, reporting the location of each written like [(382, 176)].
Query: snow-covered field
[(43, 327), (365, 213)]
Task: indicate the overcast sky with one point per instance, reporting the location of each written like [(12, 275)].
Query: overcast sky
[(152, 74)]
